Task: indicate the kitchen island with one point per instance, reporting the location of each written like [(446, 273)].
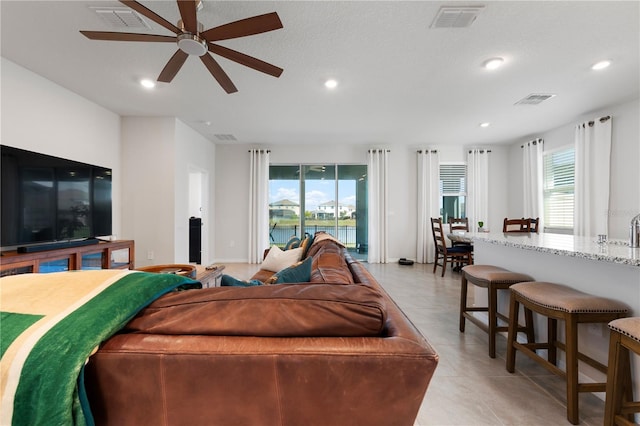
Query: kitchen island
[(610, 270)]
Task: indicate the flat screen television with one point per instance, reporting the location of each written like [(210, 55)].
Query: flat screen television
[(48, 199)]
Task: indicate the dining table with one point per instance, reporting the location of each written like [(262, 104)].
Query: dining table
[(460, 237)]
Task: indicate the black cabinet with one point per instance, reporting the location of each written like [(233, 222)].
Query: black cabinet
[(195, 240)]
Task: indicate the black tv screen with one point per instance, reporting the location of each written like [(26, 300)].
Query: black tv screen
[(47, 199)]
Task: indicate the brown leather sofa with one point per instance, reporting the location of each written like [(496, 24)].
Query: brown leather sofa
[(334, 351)]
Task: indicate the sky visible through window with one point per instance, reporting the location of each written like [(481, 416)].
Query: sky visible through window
[(317, 192)]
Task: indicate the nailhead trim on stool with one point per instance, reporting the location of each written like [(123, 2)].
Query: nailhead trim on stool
[(559, 302), (493, 278), (620, 405)]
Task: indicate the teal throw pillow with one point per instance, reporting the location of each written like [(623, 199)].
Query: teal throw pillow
[(294, 242), (298, 273), (229, 281)]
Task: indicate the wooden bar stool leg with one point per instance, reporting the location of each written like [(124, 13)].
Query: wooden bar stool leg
[(613, 401), (463, 301), (626, 391), (528, 318), (619, 382), (552, 340), (571, 352), (512, 334), (493, 319)]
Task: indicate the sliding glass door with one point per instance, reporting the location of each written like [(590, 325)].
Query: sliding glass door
[(319, 197)]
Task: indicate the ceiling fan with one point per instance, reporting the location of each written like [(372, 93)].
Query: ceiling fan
[(192, 40)]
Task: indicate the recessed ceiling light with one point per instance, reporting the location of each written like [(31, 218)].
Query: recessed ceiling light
[(149, 84), (485, 124), (330, 84), (601, 65), (493, 63)]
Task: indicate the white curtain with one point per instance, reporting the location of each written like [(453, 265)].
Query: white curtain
[(428, 202), (478, 188), (532, 179), (592, 173), (258, 204), (377, 170)]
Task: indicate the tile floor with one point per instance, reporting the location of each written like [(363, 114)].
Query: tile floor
[(469, 388)]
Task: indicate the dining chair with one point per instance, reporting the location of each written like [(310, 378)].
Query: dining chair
[(520, 225), (457, 254), (458, 224)]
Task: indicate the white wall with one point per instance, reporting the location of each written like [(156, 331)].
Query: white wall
[(159, 154), (624, 200), (148, 166), (40, 116)]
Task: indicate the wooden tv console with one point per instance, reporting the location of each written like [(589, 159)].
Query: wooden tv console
[(104, 255)]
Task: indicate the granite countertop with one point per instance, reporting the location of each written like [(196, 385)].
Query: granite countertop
[(613, 251)]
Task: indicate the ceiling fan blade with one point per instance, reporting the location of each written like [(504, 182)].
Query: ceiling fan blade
[(115, 36), (218, 73), (244, 27), (246, 60), (173, 66), (151, 15), (188, 15)]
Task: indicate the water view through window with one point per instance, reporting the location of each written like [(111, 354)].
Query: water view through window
[(310, 198)]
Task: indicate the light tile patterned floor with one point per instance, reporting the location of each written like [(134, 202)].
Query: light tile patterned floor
[(469, 388)]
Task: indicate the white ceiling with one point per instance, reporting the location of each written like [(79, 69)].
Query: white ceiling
[(400, 81)]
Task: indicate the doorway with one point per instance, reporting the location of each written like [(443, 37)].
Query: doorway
[(198, 215)]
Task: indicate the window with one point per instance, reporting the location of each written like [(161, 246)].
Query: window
[(558, 190), (311, 198), (453, 190)]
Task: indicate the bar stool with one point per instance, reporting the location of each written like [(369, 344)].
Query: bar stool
[(620, 406), (559, 302), (493, 278)]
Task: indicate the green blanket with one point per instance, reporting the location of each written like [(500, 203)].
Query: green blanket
[(50, 325)]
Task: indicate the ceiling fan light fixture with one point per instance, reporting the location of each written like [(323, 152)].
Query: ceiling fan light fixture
[(192, 44)]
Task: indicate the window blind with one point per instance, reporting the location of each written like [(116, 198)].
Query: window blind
[(453, 179), (558, 189)]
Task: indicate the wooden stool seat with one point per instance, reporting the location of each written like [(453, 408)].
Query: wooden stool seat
[(620, 406), (559, 302), (493, 278)]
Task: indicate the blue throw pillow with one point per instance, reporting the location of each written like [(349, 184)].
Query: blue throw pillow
[(229, 281), (298, 273), (294, 242)]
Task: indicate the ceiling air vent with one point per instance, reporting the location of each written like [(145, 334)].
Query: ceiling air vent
[(223, 137), (534, 99), (456, 16), (121, 17)]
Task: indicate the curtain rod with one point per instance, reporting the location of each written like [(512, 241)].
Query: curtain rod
[(481, 151), (426, 151), (378, 150), (601, 119), (260, 150), (534, 142)]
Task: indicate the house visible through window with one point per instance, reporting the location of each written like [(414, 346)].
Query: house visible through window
[(558, 190), (307, 198), (453, 190)]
